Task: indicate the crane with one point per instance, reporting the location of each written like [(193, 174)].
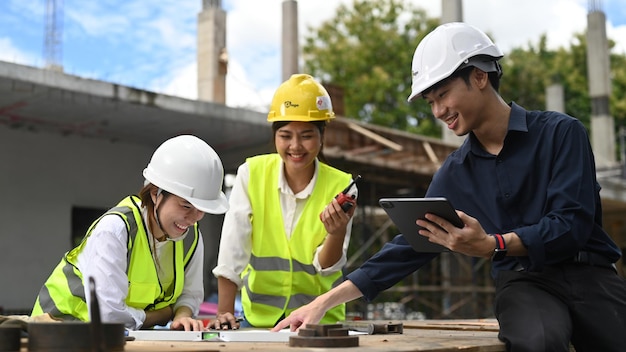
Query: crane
[(53, 39)]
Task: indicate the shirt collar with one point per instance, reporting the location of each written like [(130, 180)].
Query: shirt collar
[(517, 122), (283, 187)]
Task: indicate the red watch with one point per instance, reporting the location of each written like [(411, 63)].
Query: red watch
[(500, 251)]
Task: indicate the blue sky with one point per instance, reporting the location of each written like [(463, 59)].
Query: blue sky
[(152, 44)]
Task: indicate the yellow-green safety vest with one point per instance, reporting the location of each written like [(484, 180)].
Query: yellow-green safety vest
[(63, 294), (280, 276)]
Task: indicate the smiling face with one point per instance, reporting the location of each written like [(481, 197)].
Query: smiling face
[(175, 215), (457, 102), (298, 144)]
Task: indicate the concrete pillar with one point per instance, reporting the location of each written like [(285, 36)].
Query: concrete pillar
[(598, 71), (451, 11), (555, 98), (211, 52), (290, 47), (212, 66)]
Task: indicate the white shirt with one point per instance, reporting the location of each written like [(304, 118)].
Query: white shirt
[(236, 242), (104, 259)]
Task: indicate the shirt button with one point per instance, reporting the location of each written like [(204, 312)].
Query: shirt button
[(506, 195)]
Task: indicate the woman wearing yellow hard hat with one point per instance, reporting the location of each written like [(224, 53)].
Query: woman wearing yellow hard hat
[(285, 237), (146, 254)]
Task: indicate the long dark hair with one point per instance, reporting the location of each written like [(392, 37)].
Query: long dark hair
[(146, 200)]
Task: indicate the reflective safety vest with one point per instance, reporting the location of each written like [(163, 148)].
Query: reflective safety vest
[(63, 294), (280, 276)]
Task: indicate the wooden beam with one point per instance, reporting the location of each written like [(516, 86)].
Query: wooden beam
[(364, 150), (431, 153), (376, 137)]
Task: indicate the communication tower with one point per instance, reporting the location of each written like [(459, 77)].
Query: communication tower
[(53, 40)]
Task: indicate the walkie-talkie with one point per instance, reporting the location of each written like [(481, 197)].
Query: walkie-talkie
[(346, 198)]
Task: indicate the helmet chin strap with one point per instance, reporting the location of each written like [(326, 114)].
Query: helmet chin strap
[(156, 214)]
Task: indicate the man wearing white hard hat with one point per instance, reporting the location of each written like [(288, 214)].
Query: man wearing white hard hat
[(524, 185)]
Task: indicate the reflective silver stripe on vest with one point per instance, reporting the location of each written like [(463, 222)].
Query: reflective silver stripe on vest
[(270, 300), (280, 264), (76, 287), (277, 264), (75, 283), (129, 219), (48, 306), (298, 300), (295, 301)]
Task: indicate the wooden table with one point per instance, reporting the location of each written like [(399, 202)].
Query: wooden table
[(479, 335), (419, 335)]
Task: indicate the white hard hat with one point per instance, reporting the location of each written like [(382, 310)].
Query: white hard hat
[(188, 167), (446, 49)]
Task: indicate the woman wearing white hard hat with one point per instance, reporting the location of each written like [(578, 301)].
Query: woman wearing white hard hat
[(146, 254), (284, 239)]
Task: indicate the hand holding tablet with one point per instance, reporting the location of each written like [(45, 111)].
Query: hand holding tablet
[(404, 212)]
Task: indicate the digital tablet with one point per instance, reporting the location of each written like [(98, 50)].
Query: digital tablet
[(404, 212)]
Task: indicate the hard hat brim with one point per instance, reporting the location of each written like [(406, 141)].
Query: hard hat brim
[(300, 118), (211, 206)]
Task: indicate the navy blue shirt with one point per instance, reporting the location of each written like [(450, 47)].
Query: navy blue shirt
[(542, 186)]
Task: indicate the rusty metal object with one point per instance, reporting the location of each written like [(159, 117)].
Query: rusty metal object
[(10, 336), (96, 329), (374, 328), (72, 337), (77, 336), (326, 335)]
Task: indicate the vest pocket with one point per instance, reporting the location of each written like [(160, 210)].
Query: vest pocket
[(80, 310), (141, 294)]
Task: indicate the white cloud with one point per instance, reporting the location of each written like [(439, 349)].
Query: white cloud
[(240, 92), (618, 32), (181, 82), (9, 52), (516, 26), (94, 24)]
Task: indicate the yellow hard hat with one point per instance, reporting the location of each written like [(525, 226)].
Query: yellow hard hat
[(301, 98)]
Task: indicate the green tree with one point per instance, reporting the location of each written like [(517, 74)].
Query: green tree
[(524, 79), (366, 50), (618, 79), (528, 72)]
